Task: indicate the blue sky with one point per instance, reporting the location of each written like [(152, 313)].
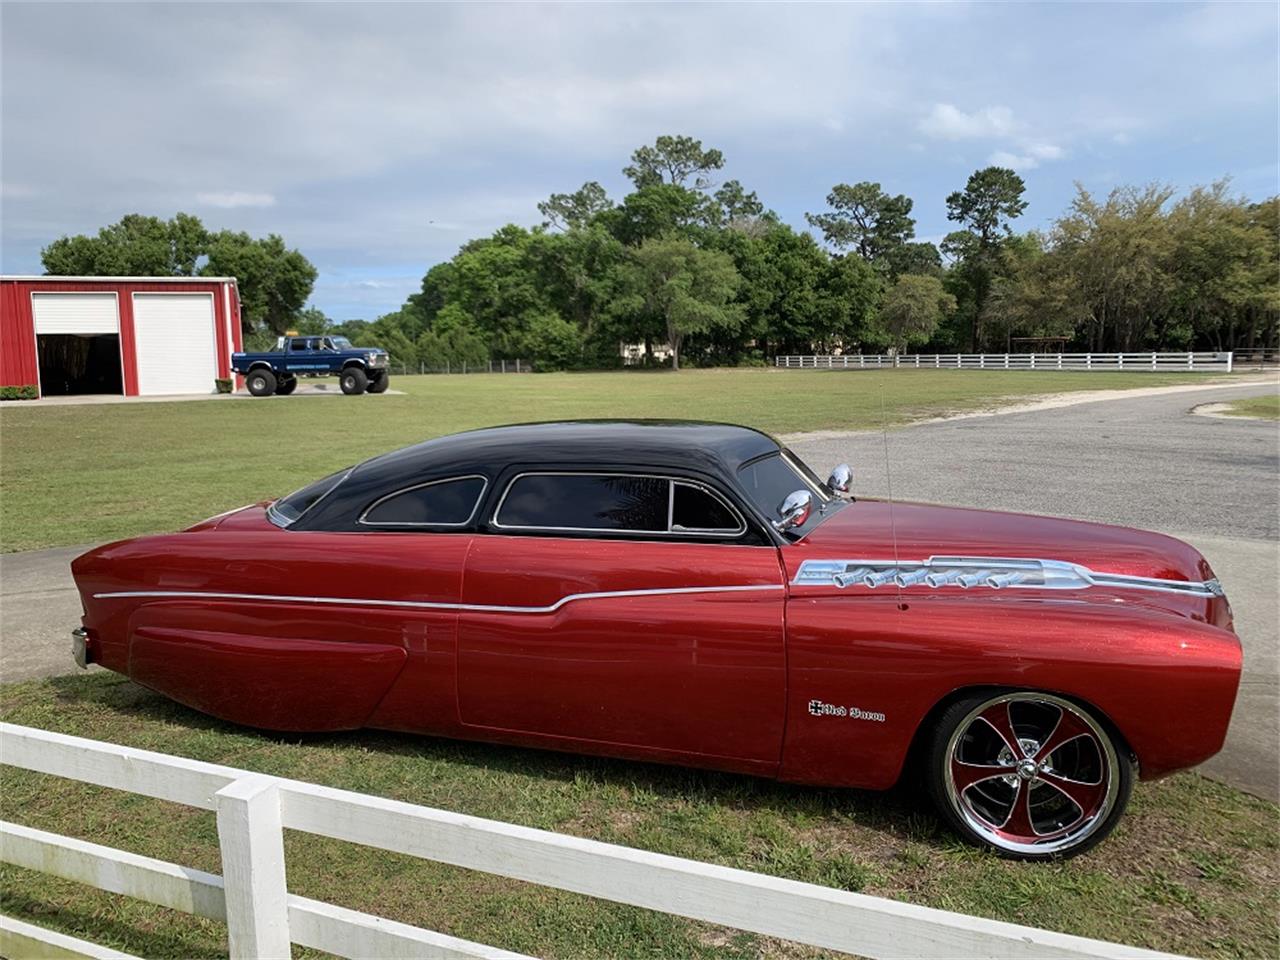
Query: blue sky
[(377, 138)]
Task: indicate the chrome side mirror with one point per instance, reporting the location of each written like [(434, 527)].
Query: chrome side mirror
[(794, 510), (841, 480)]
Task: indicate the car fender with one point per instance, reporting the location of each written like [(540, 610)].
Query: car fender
[(1166, 683)]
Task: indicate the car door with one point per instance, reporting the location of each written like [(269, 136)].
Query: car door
[(628, 610), (301, 358)]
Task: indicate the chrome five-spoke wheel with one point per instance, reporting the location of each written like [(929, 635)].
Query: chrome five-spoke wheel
[(1029, 774)]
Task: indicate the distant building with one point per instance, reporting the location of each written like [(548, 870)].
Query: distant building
[(134, 336)]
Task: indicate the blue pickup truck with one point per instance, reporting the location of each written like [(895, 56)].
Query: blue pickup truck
[(358, 368)]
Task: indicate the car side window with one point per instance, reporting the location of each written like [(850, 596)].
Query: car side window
[(614, 503), (297, 345), (440, 503), (694, 509)]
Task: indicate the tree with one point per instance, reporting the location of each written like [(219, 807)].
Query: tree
[(675, 161), (687, 289), (739, 209), (135, 246), (990, 200), (570, 211), (912, 309), (866, 219), (274, 281)]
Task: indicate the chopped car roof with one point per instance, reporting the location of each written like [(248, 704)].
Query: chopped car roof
[(710, 449), (665, 443)]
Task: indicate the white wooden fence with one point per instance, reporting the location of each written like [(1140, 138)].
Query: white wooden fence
[(262, 917), (1168, 362)]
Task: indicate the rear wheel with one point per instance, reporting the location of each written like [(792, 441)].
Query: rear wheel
[(1030, 775), (354, 380), (287, 387), (380, 385), (261, 383)]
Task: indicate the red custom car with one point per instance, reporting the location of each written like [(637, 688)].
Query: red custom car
[(691, 593)]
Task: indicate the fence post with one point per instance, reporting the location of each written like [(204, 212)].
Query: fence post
[(1120, 361), (1153, 361), (252, 842), (517, 364), (1231, 360), (1059, 361), (1033, 361), (1088, 361)]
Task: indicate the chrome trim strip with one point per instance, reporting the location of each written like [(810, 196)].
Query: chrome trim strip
[(418, 486), (622, 532), (996, 573), (433, 605)]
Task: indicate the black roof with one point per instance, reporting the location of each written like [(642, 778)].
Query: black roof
[(713, 450), (709, 447)]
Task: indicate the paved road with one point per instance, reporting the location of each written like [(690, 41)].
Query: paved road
[(1143, 462), (1140, 461)]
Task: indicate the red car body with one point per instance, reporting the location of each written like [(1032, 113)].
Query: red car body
[(682, 649)]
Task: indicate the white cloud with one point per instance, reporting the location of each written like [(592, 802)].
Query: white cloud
[(948, 122), (231, 199)]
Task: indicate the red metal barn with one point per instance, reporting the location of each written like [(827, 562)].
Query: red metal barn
[(131, 336)]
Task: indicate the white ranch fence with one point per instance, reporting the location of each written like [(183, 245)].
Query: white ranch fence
[(1167, 362), (263, 918)]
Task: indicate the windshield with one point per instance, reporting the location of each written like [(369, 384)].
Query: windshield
[(767, 482), (341, 343)]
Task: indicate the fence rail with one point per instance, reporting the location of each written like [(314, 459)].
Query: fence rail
[(1167, 362), (263, 918)]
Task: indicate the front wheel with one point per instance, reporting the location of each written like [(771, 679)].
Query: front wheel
[(353, 381), (380, 385), (261, 383), (1030, 775)]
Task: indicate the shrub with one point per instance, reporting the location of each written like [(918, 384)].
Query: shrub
[(27, 391), (223, 384)]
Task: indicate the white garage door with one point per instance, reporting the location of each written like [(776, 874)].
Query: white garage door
[(75, 312), (176, 349)]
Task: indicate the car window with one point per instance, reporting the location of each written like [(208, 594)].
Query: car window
[(298, 345), (696, 509), (585, 502), (449, 502), (767, 482), (620, 503), (288, 509)]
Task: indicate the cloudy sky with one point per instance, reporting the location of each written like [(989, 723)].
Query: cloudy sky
[(377, 138)]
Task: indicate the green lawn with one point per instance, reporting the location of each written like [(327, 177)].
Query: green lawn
[(87, 474), (1193, 869), (1263, 408)]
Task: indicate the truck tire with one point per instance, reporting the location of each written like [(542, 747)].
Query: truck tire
[(261, 383), (380, 385), (354, 380), (287, 386)]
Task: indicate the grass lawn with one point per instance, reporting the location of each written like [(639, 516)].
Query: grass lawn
[(1194, 868), (1264, 408), (88, 474)]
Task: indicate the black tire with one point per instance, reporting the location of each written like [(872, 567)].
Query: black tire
[(381, 383), (261, 383), (354, 380), (286, 387), (975, 779)]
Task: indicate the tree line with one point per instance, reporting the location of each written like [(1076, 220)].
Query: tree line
[(694, 271)]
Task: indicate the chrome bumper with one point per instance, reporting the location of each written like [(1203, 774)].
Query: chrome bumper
[(80, 647)]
